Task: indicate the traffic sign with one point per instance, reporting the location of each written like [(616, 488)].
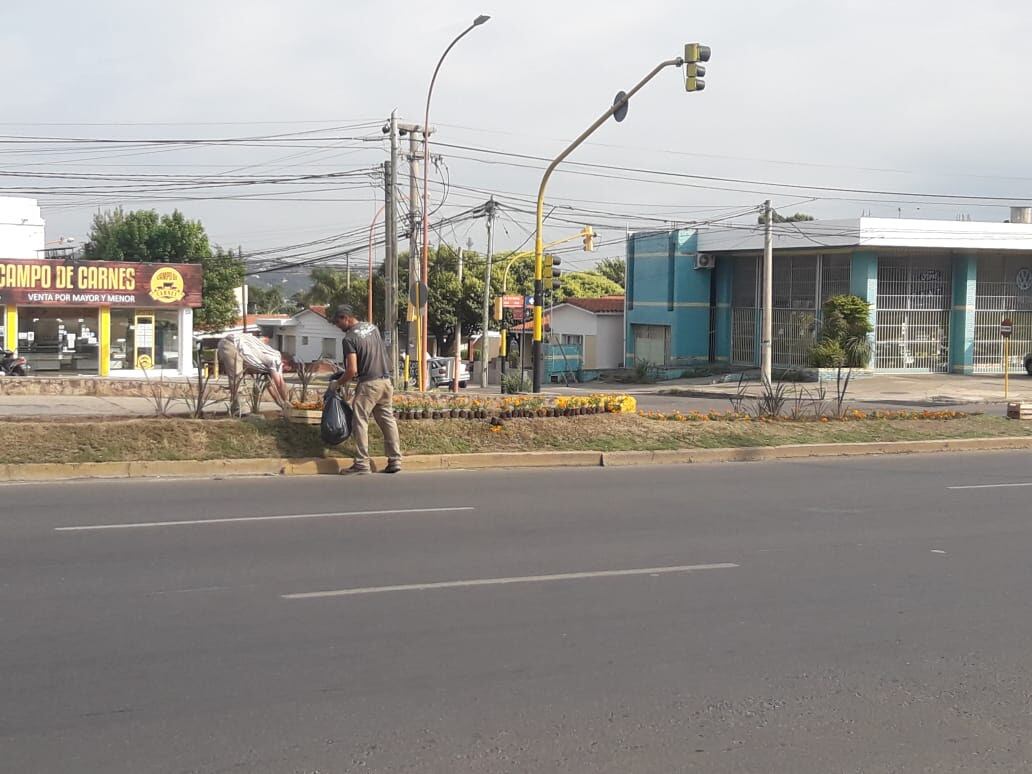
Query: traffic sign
[(621, 112), (417, 295), (1006, 328)]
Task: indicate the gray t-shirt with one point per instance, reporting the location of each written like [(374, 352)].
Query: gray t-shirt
[(365, 341)]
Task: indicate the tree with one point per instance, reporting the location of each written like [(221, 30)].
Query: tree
[(585, 284), (146, 236), (799, 217), (844, 343), (266, 300), (223, 275), (613, 269)]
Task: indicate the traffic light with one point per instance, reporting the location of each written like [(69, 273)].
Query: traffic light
[(552, 270), (693, 71), (589, 239)]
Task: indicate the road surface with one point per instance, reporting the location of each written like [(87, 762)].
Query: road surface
[(856, 615)]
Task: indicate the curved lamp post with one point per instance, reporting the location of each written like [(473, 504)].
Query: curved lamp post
[(425, 263)]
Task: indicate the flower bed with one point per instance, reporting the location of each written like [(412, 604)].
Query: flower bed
[(510, 407), (854, 415)]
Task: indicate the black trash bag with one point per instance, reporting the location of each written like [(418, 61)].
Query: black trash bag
[(335, 427)]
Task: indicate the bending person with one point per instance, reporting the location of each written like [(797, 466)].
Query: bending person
[(242, 353)]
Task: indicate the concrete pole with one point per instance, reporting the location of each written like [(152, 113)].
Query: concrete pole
[(390, 308), (414, 263), (484, 348), (767, 331), (458, 329)]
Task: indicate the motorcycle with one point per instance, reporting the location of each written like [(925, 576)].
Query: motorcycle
[(12, 365)]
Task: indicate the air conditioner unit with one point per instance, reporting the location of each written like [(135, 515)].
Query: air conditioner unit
[(703, 261)]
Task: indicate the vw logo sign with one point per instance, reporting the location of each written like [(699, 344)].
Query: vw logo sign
[(1024, 279)]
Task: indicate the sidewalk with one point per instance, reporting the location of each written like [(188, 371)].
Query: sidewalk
[(903, 389), (42, 406)]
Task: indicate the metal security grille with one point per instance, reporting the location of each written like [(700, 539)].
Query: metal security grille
[(912, 321), (743, 335), (795, 332), (744, 314), (800, 284), (1003, 290)]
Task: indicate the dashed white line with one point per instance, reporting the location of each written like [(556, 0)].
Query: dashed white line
[(566, 576), (991, 486), (243, 519)]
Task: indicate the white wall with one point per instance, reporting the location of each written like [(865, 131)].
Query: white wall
[(571, 321), (316, 328), (21, 228), (609, 345)]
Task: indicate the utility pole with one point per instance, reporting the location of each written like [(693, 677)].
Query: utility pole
[(484, 348), (390, 306), (458, 329), (414, 331), (767, 331)]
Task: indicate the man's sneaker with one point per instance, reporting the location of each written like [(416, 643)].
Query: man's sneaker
[(355, 470), (392, 467)]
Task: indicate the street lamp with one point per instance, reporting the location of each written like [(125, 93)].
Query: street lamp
[(693, 53), (425, 263)]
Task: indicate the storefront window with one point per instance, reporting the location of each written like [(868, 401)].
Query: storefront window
[(144, 339), (59, 339)]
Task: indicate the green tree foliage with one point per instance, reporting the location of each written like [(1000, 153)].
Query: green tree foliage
[(223, 274), (844, 335), (586, 284), (267, 301), (799, 217), (146, 236), (613, 269)]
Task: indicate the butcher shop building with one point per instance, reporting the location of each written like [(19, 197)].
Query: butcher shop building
[(66, 315)]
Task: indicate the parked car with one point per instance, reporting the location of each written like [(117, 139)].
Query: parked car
[(441, 374), (440, 369)]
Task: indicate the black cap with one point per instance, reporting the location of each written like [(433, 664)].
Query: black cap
[(345, 310)]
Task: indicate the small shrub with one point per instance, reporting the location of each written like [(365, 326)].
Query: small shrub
[(514, 383)]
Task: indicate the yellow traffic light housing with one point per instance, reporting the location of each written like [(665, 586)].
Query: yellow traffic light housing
[(694, 53), (498, 308), (589, 239), (552, 271)]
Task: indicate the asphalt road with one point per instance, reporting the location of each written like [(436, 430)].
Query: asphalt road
[(859, 615)]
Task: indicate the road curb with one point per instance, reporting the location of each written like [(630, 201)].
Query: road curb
[(52, 471)]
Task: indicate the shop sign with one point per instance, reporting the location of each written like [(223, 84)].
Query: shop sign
[(99, 283)]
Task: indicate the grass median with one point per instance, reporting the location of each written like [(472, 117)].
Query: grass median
[(185, 439)]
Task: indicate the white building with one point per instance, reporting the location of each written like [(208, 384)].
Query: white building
[(21, 229), (596, 325), (307, 336)]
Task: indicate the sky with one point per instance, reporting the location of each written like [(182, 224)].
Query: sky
[(263, 119)]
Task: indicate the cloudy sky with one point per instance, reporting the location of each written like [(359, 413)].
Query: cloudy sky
[(222, 108)]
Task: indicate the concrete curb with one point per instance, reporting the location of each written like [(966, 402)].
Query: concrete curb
[(47, 471)]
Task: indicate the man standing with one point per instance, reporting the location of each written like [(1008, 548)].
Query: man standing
[(366, 357)]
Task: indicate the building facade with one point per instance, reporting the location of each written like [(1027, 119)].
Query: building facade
[(66, 315), (938, 291)]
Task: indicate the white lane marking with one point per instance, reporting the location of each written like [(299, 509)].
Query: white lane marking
[(189, 591), (938, 551), (990, 486), (240, 519), (504, 581)]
